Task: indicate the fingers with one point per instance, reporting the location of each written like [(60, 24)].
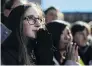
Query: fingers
[(76, 53), (69, 52), (75, 49), (69, 46), (72, 52)]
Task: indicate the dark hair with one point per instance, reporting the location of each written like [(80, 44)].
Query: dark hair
[(56, 28), (50, 8), (79, 26), (16, 25), (8, 4)]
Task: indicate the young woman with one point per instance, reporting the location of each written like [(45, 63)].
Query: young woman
[(21, 47), (64, 51), (80, 31)]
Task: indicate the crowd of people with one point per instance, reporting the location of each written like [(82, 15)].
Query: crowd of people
[(31, 36)]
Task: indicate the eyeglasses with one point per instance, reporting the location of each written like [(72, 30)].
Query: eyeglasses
[(34, 19)]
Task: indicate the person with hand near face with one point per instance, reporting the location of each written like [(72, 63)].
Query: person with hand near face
[(80, 31), (64, 52)]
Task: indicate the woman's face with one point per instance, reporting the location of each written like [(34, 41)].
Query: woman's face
[(31, 22), (81, 37), (65, 38)]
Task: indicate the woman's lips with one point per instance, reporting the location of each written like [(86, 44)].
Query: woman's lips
[(34, 31)]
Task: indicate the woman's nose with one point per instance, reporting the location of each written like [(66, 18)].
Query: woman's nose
[(37, 24), (69, 37)]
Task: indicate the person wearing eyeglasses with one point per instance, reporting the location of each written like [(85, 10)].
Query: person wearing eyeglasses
[(25, 46)]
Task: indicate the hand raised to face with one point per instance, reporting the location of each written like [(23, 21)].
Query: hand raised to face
[(72, 52)]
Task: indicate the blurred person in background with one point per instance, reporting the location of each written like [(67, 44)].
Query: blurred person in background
[(53, 14), (80, 31), (8, 6), (64, 52)]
